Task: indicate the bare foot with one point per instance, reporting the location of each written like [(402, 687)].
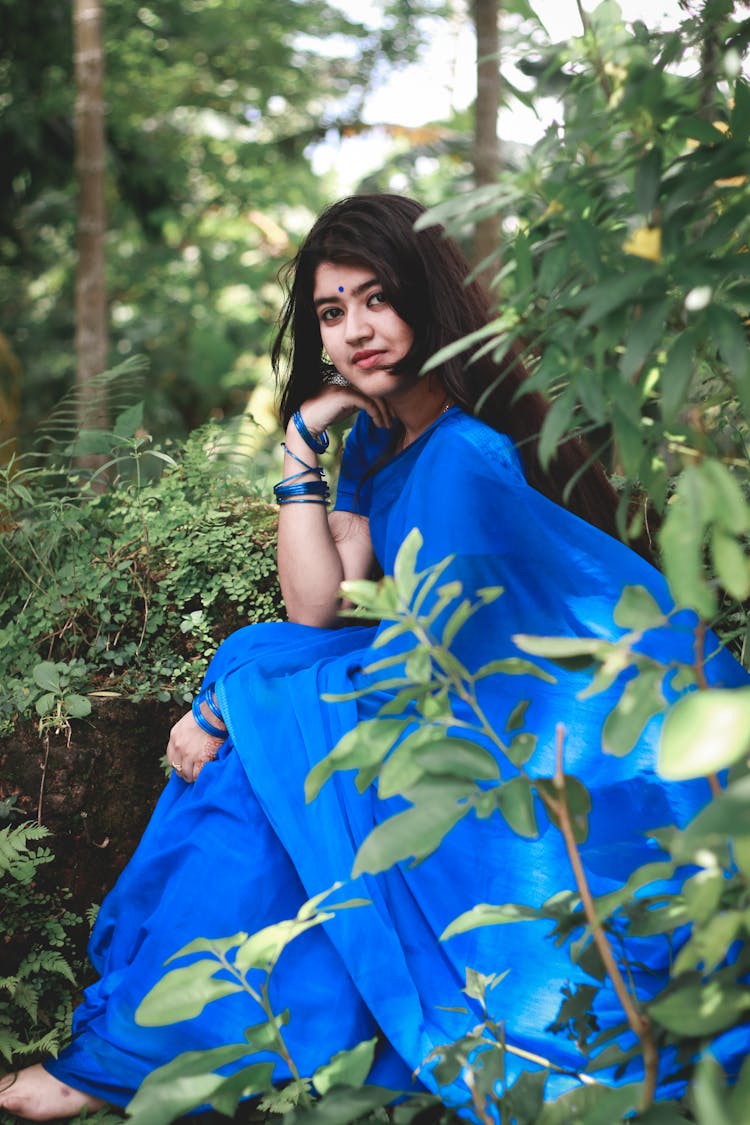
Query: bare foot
[(37, 1095)]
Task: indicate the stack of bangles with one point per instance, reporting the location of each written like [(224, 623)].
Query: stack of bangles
[(294, 490), (206, 695)]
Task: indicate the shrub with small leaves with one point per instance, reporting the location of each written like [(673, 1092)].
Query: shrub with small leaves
[(129, 590)]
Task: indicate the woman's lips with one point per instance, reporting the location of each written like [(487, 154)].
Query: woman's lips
[(366, 359)]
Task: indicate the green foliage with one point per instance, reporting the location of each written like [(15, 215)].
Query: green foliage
[(128, 591), (37, 969), (219, 968), (444, 778), (625, 277)]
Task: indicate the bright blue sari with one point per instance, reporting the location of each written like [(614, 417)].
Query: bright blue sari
[(240, 849)]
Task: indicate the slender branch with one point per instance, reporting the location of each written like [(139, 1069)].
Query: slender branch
[(637, 1021)]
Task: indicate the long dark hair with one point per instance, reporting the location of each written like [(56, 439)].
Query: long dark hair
[(426, 279)]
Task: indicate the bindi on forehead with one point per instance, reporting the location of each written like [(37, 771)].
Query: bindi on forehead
[(341, 288)]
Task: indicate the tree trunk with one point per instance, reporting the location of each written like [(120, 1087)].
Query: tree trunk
[(486, 15), (91, 296)]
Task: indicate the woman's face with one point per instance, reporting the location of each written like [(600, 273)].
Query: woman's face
[(364, 335)]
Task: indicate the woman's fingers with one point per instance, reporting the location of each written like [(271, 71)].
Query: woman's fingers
[(336, 404), (189, 748)]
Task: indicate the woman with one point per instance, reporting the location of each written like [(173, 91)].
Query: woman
[(232, 845)]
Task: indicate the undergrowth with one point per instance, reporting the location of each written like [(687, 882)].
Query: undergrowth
[(128, 590)]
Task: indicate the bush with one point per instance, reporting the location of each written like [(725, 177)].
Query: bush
[(128, 590)]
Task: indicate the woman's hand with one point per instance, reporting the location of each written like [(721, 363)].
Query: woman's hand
[(189, 748), (335, 404)]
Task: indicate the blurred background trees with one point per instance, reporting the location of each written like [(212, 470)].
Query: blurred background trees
[(212, 111)]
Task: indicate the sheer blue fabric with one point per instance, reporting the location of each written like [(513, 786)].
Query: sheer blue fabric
[(240, 848)]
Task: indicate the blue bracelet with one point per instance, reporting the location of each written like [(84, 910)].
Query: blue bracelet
[(207, 696), (318, 444), (203, 722), (291, 490), (317, 469)]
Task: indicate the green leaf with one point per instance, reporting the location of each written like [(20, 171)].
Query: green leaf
[(524, 266), (188, 1081), (648, 182), (676, 375), (360, 748), (638, 609), (571, 652), (697, 129), (731, 563), (610, 295), (705, 731), (641, 699), (77, 706), (128, 421), (516, 802), (694, 1008), (517, 716), (521, 747), (416, 832), (739, 122), (730, 509), (731, 339), (45, 704), (47, 676), (215, 947), (183, 993), (343, 1105), (681, 541), (419, 666), (726, 817), (457, 757), (513, 666), (641, 877), (264, 946), (702, 892), (347, 1068), (485, 914), (645, 333), (556, 424), (404, 567), (577, 799), (709, 944)]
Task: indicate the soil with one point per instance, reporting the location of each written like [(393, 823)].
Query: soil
[(95, 792)]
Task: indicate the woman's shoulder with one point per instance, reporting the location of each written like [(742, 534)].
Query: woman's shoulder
[(465, 440)]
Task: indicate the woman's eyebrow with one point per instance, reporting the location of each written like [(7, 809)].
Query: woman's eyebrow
[(356, 292)]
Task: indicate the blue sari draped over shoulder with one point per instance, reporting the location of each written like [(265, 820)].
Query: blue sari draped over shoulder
[(240, 848)]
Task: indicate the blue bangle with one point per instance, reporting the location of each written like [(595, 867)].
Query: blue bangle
[(203, 722), (318, 444), (207, 696), (286, 492)]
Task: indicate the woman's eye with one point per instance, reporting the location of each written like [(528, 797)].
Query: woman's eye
[(328, 315), (377, 299)]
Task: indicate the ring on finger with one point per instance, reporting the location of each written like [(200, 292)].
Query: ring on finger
[(177, 768)]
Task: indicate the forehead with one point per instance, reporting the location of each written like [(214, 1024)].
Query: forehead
[(334, 278)]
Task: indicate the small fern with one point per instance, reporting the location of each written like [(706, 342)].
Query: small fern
[(37, 976), (16, 859)]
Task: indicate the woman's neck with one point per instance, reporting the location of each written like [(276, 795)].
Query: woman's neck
[(419, 409)]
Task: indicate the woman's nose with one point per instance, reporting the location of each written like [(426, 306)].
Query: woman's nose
[(358, 325)]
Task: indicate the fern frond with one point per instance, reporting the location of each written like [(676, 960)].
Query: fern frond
[(16, 857)]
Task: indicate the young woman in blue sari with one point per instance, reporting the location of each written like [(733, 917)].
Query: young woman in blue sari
[(233, 846)]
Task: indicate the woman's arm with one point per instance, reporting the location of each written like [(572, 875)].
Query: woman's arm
[(316, 552)]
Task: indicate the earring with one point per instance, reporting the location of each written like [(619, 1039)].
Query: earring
[(329, 376)]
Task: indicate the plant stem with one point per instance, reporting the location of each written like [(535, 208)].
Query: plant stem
[(637, 1021)]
